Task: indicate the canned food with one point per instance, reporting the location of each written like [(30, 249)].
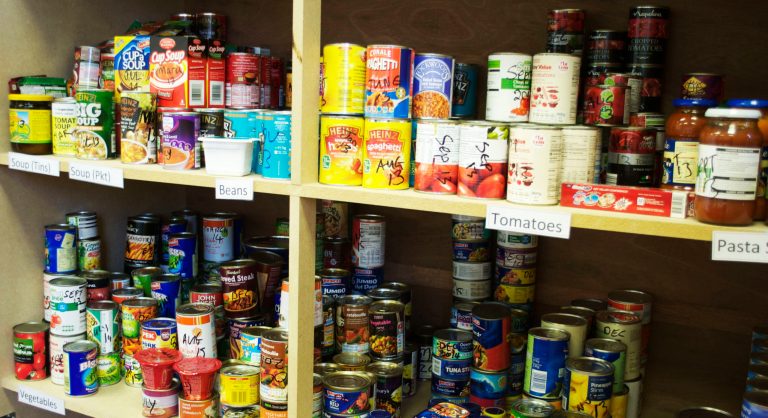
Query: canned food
[(515, 276), (487, 384), (605, 45), (197, 409), (132, 371), (80, 376), (554, 88), (469, 290), (60, 249), (544, 362), (574, 325), (587, 386), (86, 223), (55, 356), (631, 158), (612, 351), (565, 31), (516, 240), (161, 403), (469, 228), (582, 145), (369, 235), (432, 86), (119, 280), (365, 280), (388, 88), (436, 156), (239, 385), (180, 145), (450, 388), (159, 333), (236, 327), (219, 238), (142, 242), (514, 294), (451, 369), (240, 287), (121, 295), (648, 34), (618, 408), (211, 124), (639, 303), (491, 325), (138, 143), (134, 312), (94, 125), (143, 277), (509, 87), (388, 382), (471, 251), (30, 341), (652, 76), (607, 104), (88, 254), (166, 289), (452, 344), (471, 271), (410, 369), (243, 76), (341, 149), (694, 86), (68, 298), (625, 327), (196, 330), (465, 87), (346, 392), (387, 329), (483, 154), (274, 161), (274, 366), (404, 296), (531, 408), (344, 79), (183, 255), (535, 164), (635, 89), (97, 287), (102, 325), (64, 113), (594, 304), (386, 158), (352, 332)]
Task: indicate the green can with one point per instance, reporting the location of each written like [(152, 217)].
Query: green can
[(103, 325), (142, 278), (94, 134), (109, 368), (281, 227)]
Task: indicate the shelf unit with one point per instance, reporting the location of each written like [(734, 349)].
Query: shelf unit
[(704, 309)]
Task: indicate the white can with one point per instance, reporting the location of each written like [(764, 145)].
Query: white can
[(634, 398), (47, 277), (482, 159), (581, 154), (555, 88), (509, 87), (195, 325), (466, 270), (218, 238), (56, 355), (535, 161), (625, 327), (471, 289), (436, 156), (68, 299), (574, 325), (516, 240)]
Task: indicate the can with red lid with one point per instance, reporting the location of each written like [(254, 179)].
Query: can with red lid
[(639, 303), (631, 157), (242, 81)]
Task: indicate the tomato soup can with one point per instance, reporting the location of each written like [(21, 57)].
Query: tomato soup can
[(195, 324), (437, 156), (432, 86), (387, 329), (240, 287), (554, 88), (625, 327), (274, 366), (64, 113), (587, 386), (471, 251), (648, 33), (606, 45), (452, 344), (60, 249), (181, 148), (471, 290), (535, 164), (451, 369), (387, 149), (388, 382), (218, 238), (509, 87), (612, 351), (469, 228), (341, 150), (95, 121), (364, 280), (344, 79), (582, 146), (352, 324), (183, 255), (276, 149), (465, 87), (607, 104), (80, 376), (239, 385), (388, 81), (161, 403), (696, 86), (30, 342), (483, 154), (545, 362), (242, 80), (652, 76), (103, 325), (461, 315), (68, 297), (631, 157), (574, 325), (369, 235), (565, 31), (491, 324)]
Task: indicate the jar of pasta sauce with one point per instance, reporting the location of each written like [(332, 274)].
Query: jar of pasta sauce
[(762, 180), (681, 143), (729, 158)]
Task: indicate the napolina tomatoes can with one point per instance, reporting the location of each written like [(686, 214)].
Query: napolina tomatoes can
[(554, 88), (535, 162), (30, 342), (432, 86), (483, 154), (648, 34), (341, 150), (437, 156), (631, 157), (387, 150), (388, 77), (607, 104), (509, 87)]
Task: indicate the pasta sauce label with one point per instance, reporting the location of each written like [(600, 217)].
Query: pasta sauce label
[(727, 172)]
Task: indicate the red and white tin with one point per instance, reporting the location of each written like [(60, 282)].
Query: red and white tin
[(581, 145), (196, 331), (635, 84), (483, 156), (535, 162), (509, 87), (369, 236), (554, 88), (56, 355), (437, 156), (242, 80), (47, 277)]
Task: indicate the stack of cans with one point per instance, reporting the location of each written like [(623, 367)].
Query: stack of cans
[(491, 327), (368, 244), (452, 352), (515, 277), (88, 242), (646, 50), (565, 31), (755, 403), (471, 259)]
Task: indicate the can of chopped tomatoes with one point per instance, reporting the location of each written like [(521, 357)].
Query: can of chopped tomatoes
[(509, 87), (631, 157), (606, 45), (437, 156), (582, 145), (30, 342), (432, 86), (607, 104), (387, 150), (388, 81), (535, 164), (343, 81), (565, 31), (243, 74), (635, 85), (650, 93), (483, 154), (648, 34), (341, 150), (554, 88)]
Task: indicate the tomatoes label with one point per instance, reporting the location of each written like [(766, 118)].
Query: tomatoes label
[(437, 156), (483, 160), (535, 161), (22, 350)]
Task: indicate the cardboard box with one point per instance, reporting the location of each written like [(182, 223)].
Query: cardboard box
[(131, 64), (177, 71), (638, 200), (215, 67)]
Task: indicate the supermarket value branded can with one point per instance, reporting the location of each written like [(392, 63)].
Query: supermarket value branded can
[(138, 141), (582, 145), (452, 344), (554, 88), (388, 383), (607, 104), (95, 121), (182, 255), (364, 280), (535, 165), (352, 324), (388, 77), (196, 329), (631, 157), (387, 149), (60, 249), (387, 329), (274, 366), (545, 354), (465, 87), (450, 388), (437, 156), (471, 290), (461, 315), (509, 87), (68, 297), (341, 150), (80, 376), (432, 86), (451, 369), (346, 392), (180, 146), (625, 327), (368, 241), (64, 113), (587, 386), (335, 283), (491, 326), (276, 151), (56, 355), (471, 251), (612, 351), (483, 154), (166, 289), (344, 79), (574, 325), (239, 385), (565, 31), (159, 333)]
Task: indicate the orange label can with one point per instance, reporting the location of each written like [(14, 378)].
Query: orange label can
[(341, 150), (386, 161)]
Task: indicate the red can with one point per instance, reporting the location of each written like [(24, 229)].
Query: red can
[(650, 93), (242, 80), (215, 74), (240, 287), (437, 156), (606, 105), (276, 83), (647, 34), (265, 84), (98, 284), (369, 235), (596, 72), (209, 293), (565, 31), (605, 45), (631, 157), (635, 85), (30, 340)]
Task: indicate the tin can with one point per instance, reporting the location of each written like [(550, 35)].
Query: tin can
[(352, 324), (473, 252), (328, 343), (386, 158), (335, 253), (346, 392), (387, 329), (647, 119), (388, 386), (268, 266), (196, 330), (514, 276), (240, 287), (469, 228), (469, 290), (461, 315), (509, 87), (432, 86), (341, 150), (132, 371), (121, 295), (388, 77), (607, 104), (491, 325), (30, 121), (274, 366), (450, 388), (138, 143), (103, 323), (166, 289), (68, 297), (250, 344), (182, 255), (631, 157), (437, 156), (175, 224), (64, 114), (60, 249), (242, 75), (364, 280), (404, 296), (451, 369), (639, 303), (487, 385), (86, 223), (533, 408), (161, 403), (239, 385), (352, 361), (535, 164), (516, 240), (159, 333), (483, 156), (335, 218), (218, 238), (119, 280), (452, 344), (142, 242), (565, 31), (410, 363), (211, 124), (56, 355), (335, 282), (650, 95), (471, 271), (30, 341), (587, 386), (236, 326), (582, 145), (317, 396), (94, 136), (198, 409), (625, 327), (97, 287), (133, 313), (88, 254), (544, 362), (612, 351), (465, 87), (634, 91), (369, 234), (80, 376), (240, 124), (344, 79), (181, 148), (276, 152), (618, 408), (554, 88), (754, 404), (648, 34), (605, 45), (424, 342), (694, 86), (109, 368), (574, 325), (508, 257), (143, 277)]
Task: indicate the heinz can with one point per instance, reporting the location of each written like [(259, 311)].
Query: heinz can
[(64, 114), (239, 385), (465, 87), (386, 158), (387, 329), (607, 104), (648, 34), (625, 327), (275, 158), (545, 362), (535, 164), (565, 31), (138, 143), (437, 156), (68, 304), (242, 75), (56, 356), (432, 86), (80, 376), (587, 386), (388, 76), (491, 325), (483, 154), (211, 124), (196, 330), (612, 351), (274, 366), (94, 136), (369, 235), (180, 146), (341, 150), (159, 333), (103, 325), (30, 341), (352, 332), (631, 157), (509, 87), (60, 249), (554, 88), (582, 145), (343, 81)]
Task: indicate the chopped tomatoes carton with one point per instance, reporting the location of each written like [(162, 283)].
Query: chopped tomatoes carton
[(637, 200)]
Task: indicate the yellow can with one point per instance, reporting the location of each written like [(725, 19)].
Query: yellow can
[(516, 276), (64, 115), (618, 406), (514, 294), (587, 386), (239, 384), (341, 150), (386, 162), (30, 118), (343, 79)]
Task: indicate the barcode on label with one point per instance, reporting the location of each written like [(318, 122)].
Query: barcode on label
[(216, 96), (538, 381), (238, 397), (196, 95), (679, 207)]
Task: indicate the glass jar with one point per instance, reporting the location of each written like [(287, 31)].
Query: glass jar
[(762, 124), (30, 123), (729, 157), (681, 143)]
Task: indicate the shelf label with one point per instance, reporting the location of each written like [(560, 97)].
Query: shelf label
[(527, 221), (234, 189), (104, 176), (41, 400), (750, 247), (33, 164)]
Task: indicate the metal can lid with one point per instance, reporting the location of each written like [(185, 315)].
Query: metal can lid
[(147, 271), (68, 281), (605, 345), (387, 46), (334, 272), (397, 286), (352, 359), (340, 116), (182, 235), (94, 274), (256, 331), (564, 319), (80, 213), (618, 317), (102, 305), (194, 309), (60, 227), (548, 334), (382, 119), (343, 45), (465, 306), (433, 55), (158, 324), (386, 306), (355, 300), (30, 328), (591, 303), (347, 381), (325, 368), (140, 302), (533, 408), (491, 311), (237, 264), (384, 293), (167, 278), (127, 291), (452, 334), (81, 346), (589, 366), (276, 334), (239, 370), (703, 412), (385, 369), (631, 296)]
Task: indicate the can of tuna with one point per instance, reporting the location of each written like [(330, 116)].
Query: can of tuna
[(159, 333), (509, 87), (86, 223), (533, 408), (68, 297), (343, 81), (60, 249), (465, 87), (364, 280), (369, 235), (582, 146), (452, 344), (451, 369), (587, 386), (80, 376), (515, 295), (239, 385), (471, 271), (436, 156), (468, 290), (471, 251), (625, 327), (64, 113), (352, 324), (544, 362), (196, 330), (515, 276), (515, 258), (276, 150), (450, 388), (491, 325), (432, 86), (483, 154), (102, 325), (388, 81), (341, 150), (488, 385), (461, 315), (469, 228), (607, 104), (274, 366), (94, 136), (574, 325), (56, 355), (388, 386), (555, 88), (535, 164), (218, 238), (387, 150), (180, 145), (516, 240), (161, 403), (387, 329)]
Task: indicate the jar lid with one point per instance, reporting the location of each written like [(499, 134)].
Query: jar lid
[(30, 97), (696, 103), (732, 113), (748, 103)]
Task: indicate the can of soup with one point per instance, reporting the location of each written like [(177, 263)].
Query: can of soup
[(432, 86), (341, 150), (181, 148), (535, 164), (554, 88), (388, 78), (437, 156), (138, 141), (483, 154), (243, 78), (465, 87), (343, 81), (240, 287), (80, 376), (95, 121), (386, 157), (509, 87), (64, 114)]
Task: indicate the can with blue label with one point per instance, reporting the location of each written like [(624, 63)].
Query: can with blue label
[(545, 362), (451, 369), (440, 401), (432, 86), (80, 377), (335, 282), (612, 351), (174, 225), (461, 315), (755, 405), (276, 154), (488, 385), (452, 344), (465, 84), (471, 251), (516, 374), (588, 386), (365, 279), (60, 249), (166, 289), (450, 388), (388, 81), (159, 333), (239, 123), (491, 327), (346, 393), (182, 255)]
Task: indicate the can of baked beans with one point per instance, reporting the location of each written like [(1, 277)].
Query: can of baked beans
[(369, 236), (68, 297), (647, 35), (437, 156), (388, 77), (582, 145), (432, 86), (386, 158), (588, 381), (607, 104), (387, 329), (352, 324), (631, 157), (509, 87), (195, 324), (211, 124), (555, 88), (343, 82), (341, 150), (650, 94), (465, 87), (535, 164), (606, 45), (565, 31), (242, 80), (483, 154), (274, 366), (625, 327)]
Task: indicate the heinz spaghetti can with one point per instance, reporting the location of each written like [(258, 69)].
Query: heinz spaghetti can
[(343, 81), (432, 86), (388, 76), (341, 150), (554, 88), (196, 330), (386, 158), (437, 156), (465, 87), (483, 154), (509, 87), (545, 362), (535, 163)]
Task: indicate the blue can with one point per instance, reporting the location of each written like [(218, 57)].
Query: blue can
[(239, 124), (432, 86), (471, 251), (60, 249), (276, 160), (258, 146), (451, 369), (335, 282), (174, 226), (327, 414), (755, 405), (461, 315), (182, 255), (412, 172), (80, 378), (450, 388), (367, 279), (465, 79), (457, 400), (517, 367), (545, 362), (379, 413), (488, 385), (344, 392), (388, 81), (596, 374), (166, 289), (159, 333)]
